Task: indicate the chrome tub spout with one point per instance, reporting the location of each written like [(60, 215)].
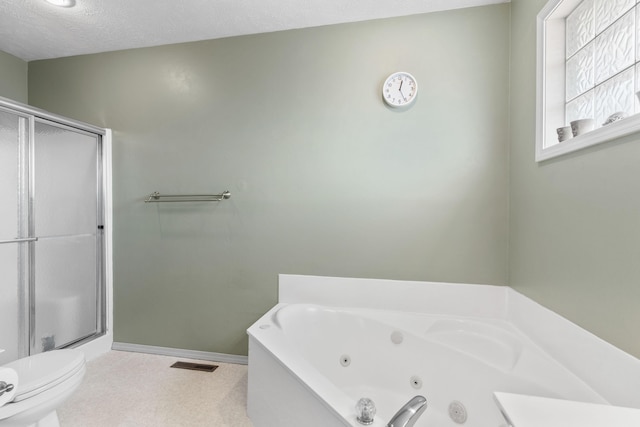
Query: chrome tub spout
[(409, 413)]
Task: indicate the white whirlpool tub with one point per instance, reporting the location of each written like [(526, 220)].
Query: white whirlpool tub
[(309, 364)]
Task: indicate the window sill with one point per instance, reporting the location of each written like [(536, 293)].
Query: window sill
[(627, 126)]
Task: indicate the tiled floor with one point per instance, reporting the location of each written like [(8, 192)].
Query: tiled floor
[(123, 389)]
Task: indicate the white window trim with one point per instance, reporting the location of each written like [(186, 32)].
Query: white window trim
[(550, 89)]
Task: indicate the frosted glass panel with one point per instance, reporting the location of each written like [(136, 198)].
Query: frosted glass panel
[(637, 9), (580, 108), (65, 290), (615, 48), (65, 182), (580, 72), (615, 95), (9, 178), (9, 302), (636, 102), (607, 11), (580, 28), (9, 230)]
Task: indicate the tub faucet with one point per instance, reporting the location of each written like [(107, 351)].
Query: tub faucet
[(409, 413)]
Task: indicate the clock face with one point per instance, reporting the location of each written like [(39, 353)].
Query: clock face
[(399, 89)]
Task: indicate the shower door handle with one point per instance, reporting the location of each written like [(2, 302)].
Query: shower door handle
[(26, 239)]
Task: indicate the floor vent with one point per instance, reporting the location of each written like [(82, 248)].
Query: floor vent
[(195, 366)]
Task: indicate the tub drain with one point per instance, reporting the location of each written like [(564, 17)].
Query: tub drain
[(457, 412), (397, 337)]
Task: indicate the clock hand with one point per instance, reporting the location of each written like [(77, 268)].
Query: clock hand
[(401, 92)]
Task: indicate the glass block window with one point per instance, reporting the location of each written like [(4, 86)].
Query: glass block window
[(602, 67), (587, 67)]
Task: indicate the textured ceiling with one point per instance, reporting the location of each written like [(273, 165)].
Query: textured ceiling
[(34, 29)]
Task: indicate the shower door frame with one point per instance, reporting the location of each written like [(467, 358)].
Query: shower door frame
[(100, 341)]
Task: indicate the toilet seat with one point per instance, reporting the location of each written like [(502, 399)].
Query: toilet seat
[(41, 372)]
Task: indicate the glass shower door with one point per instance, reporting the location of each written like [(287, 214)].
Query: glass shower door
[(13, 238), (66, 221), (52, 290)]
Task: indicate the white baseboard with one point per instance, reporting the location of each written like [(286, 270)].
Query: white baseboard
[(178, 352)]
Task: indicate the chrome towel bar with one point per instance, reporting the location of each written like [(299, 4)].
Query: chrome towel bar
[(157, 197), (26, 239)]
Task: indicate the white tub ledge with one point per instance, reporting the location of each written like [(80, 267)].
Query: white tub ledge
[(532, 411)]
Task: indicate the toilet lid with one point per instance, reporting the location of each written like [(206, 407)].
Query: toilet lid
[(42, 371)]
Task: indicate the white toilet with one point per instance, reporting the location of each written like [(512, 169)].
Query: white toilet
[(45, 381)]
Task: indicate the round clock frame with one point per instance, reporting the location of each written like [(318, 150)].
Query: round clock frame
[(399, 89)]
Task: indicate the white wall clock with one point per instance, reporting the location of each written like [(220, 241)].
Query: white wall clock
[(400, 89)]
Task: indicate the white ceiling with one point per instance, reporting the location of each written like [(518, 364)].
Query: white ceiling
[(34, 29)]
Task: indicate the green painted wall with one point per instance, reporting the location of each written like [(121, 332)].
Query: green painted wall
[(325, 179), (575, 220), (13, 77)]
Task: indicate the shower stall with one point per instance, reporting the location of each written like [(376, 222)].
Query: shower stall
[(52, 232)]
